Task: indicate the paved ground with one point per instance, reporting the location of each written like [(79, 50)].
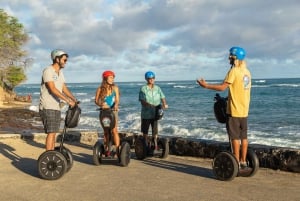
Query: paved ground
[(176, 178)]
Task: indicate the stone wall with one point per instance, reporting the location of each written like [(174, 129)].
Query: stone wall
[(277, 158)]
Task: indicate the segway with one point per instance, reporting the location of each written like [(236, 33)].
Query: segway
[(143, 150), (54, 164), (225, 165), (122, 154)]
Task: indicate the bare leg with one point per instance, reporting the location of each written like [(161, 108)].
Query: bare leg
[(116, 137), (244, 149), (105, 140), (155, 140), (145, 138), (236, 149), (50, 141)]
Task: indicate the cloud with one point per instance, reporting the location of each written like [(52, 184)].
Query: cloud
[(178, 39)]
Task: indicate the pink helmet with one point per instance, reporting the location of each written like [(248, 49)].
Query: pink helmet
[(107, 73)]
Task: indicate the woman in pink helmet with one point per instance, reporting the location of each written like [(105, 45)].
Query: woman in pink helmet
[(108, 96)]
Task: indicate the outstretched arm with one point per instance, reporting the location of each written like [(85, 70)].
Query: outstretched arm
[(217, 87)]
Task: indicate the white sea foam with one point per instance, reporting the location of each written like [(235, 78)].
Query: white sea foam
[(33, 108), (184, 86), (260, 81), (86, 100), (89, 121), (80, 94), (286, 85)]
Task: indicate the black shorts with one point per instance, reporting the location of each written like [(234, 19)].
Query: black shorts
[(237, 127), (146, 124), (51, 120)]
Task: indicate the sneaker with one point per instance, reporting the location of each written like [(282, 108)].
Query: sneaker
[(107, 153), (156, 150), (243, 165)]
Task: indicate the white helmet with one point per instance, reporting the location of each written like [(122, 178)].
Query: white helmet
[(58, 53)]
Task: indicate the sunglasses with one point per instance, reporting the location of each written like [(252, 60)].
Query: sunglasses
[(232, 56)]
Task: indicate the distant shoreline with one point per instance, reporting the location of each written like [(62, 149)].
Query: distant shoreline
[(162, 81)]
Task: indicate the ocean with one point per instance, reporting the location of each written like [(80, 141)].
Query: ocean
[(274, 117)]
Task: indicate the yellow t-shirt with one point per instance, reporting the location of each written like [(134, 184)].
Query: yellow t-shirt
[(239, 79)]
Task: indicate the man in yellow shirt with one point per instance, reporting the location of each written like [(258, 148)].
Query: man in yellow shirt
[(238, 80)]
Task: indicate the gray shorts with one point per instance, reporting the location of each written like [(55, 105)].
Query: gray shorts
[(51, 120), (237, 127)]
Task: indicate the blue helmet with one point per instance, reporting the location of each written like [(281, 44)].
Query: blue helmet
[(149, 74), (239, 52)]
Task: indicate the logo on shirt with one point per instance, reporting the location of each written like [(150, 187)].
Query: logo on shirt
[(55, 77), (246, 80)]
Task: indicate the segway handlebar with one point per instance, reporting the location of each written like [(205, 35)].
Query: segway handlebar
[(102, 109)]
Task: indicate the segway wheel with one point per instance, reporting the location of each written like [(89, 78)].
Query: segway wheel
[(225, 166), (163, 145), (98, 151), (68, 155), (253, 164), (125, 154), (52, 165), (140, 149)]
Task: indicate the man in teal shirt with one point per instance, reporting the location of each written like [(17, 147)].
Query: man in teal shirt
[(150, 96)]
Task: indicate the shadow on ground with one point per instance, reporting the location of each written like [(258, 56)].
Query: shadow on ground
[(179, 167), (26, 165)]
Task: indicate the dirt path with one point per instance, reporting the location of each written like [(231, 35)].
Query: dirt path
[(176, 178)]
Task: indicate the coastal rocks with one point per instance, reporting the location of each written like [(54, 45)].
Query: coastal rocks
[(279, 158), (19, 120), (276, 158)]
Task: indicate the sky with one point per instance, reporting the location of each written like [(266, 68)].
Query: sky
[(176, 39)]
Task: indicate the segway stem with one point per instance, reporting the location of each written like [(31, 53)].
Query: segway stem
[(230, 144), (62, 139)]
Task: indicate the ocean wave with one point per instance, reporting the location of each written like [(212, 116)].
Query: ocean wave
[(86, 100), (80, 94), (260, 81), (33, 108), (285, 85), (277, 85), (185, 86)]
